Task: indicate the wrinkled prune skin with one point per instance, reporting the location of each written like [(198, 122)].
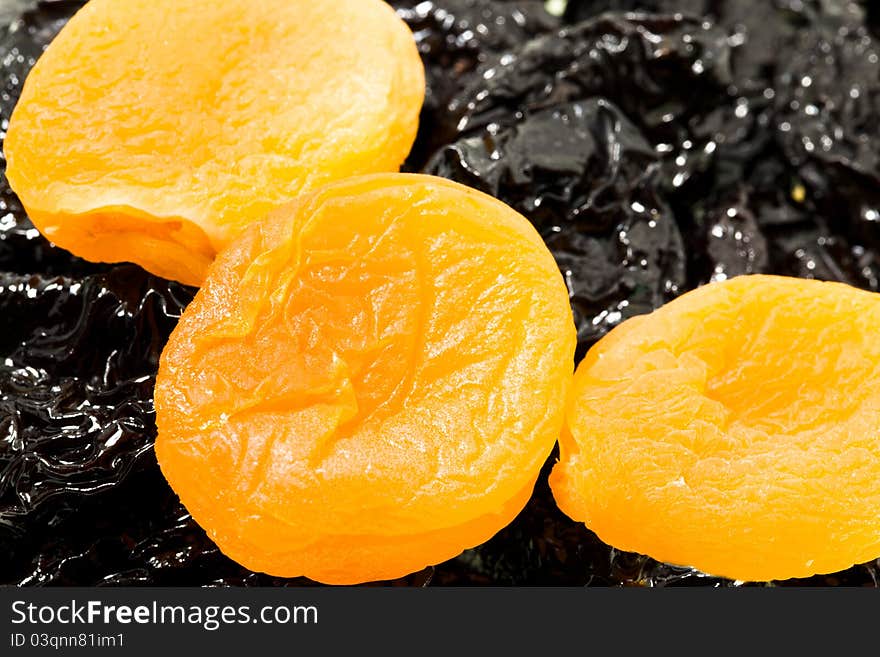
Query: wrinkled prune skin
[(588, 180), (653, 153), (76, 412), (457, 37), (797, 154), (758, 138), (585, 151), (827, 104), (76, 380)]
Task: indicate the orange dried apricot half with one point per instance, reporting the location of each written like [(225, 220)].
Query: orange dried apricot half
[(369, 381), (153, 131), (735, 430)]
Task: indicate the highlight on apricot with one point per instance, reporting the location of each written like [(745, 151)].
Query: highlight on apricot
[(369, 381), (735, 430)]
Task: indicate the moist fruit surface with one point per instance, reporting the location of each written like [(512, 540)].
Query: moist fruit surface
[(154, 131), (369, 382), (735, 430), (747, 145)]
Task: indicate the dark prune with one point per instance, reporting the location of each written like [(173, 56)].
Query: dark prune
[(455, 38), (591, 132), (76, 381), (812, 253), (827, 105), (764, 37), (138, 534), (660, 71), (581, 10), (588, 180)]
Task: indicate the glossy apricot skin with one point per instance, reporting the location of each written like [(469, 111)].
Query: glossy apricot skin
[(154, 131), (736, 430), (369, 381)]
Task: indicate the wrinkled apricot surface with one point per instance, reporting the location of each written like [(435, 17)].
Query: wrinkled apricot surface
[(735, 430), (369, 381), (153, 131)]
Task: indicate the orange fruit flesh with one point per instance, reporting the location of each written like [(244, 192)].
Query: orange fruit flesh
[(369, 381), (154, 131), (735, 430)]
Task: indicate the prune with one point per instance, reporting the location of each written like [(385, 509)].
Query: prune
[(455, 39), (703, 99), (577, 130), (588, 180), (659, 70), (827, 105), (76, 414)]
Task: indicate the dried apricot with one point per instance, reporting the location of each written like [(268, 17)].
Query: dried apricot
[(735, 430), (369, 381), (155, 130)]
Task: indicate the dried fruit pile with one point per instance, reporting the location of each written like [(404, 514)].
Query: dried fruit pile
[(652, 153)]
